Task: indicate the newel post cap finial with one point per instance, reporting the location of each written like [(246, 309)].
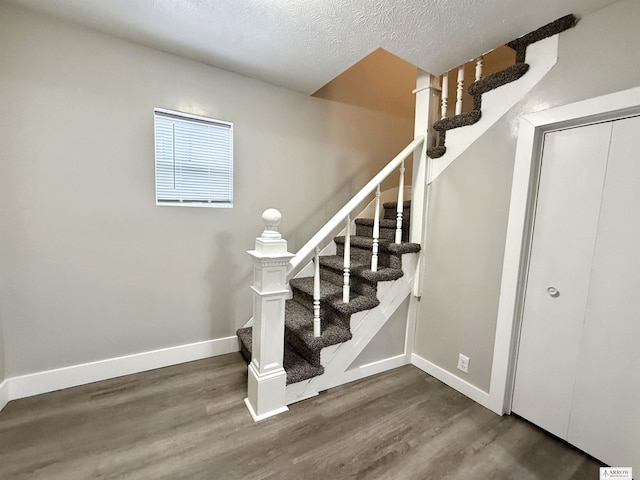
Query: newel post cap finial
[(270, 243), (271, 218)]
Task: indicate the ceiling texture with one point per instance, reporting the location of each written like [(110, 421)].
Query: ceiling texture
[(303, 44)]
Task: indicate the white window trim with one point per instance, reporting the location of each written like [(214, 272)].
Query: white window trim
[(199, 118)]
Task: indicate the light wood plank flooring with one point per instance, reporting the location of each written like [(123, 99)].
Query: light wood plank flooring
[(189, 422)]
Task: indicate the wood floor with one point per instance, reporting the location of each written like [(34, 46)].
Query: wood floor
[(189, 422)]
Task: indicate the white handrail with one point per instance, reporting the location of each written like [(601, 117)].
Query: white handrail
[(358, 198)]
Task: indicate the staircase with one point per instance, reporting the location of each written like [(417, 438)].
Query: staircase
[(309, 330), (302, 350)]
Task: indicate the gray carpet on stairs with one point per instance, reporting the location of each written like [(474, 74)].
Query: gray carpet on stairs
[(496, 80), (301, 348), (457, 121), (362, 269), (297, 368), (558, 26)]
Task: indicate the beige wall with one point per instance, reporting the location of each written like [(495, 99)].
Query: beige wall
[(383, 83), (91, 268), (380, 81), (470, 204)]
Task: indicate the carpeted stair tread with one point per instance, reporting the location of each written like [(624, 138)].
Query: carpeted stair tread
[(336, 262), (436, 152), (394, 205), (384, 245), (299, 323), (384, 222), (331, 294), (498, 79), (361, 268), (297, 368), (558, 26), (244, 335), (457, 121)]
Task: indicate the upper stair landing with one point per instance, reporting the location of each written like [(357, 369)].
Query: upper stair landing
[(494, 95)]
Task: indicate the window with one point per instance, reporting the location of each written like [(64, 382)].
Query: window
[(194, 160)]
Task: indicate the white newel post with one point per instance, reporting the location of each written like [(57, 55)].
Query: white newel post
[(427, 111), (267, 378)]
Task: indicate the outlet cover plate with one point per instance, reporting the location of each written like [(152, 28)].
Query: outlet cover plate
[(463, 363)]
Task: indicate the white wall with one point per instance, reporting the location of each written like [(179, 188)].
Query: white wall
[(389, 342), (91, 267), (470, 200)]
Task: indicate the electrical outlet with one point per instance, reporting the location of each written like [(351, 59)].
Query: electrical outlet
[(463, 363)]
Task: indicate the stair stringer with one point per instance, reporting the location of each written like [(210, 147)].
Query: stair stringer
[(541, 57), (337, 359)]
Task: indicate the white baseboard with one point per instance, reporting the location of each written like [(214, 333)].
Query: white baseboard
[(59, 378), (4, 394), (298, 391), (374, 368), (474, 393), (264, 416)]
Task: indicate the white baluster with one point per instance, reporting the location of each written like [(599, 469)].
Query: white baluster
[(399, 208), (347, 260), (316, 294), (459, 90), (376, 232), (479, 61), (444, 96)]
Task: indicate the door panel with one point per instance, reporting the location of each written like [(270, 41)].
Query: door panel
[(571, 181), (605, 419)]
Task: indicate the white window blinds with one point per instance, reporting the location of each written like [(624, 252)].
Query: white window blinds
[(194, 160)]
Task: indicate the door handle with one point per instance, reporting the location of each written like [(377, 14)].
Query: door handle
[(553, 292)]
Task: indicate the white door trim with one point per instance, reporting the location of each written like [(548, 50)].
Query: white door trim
[(522, 207)]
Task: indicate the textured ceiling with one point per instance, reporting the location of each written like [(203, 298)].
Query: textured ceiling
[(302, 44)]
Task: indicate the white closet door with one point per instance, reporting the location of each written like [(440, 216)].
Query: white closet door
[(605, 419), (571, 182)]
